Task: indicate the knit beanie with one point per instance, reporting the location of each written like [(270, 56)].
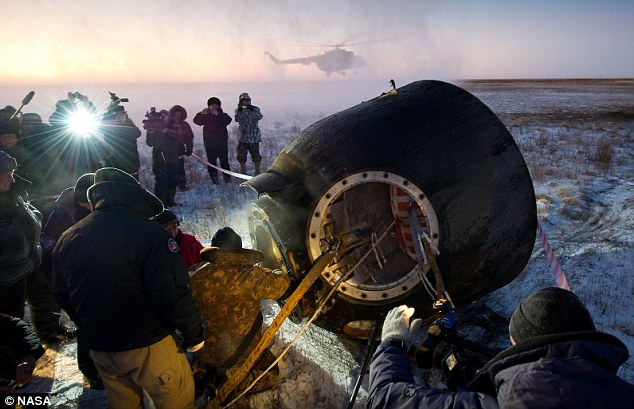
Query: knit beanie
[(7, 162), (166, 217), (549, 311), (82, 185), (213, 100), (226, 239)]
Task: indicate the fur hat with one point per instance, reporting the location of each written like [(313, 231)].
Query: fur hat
[(106, 177), (178, 108), (226, 239), (166, 217), (115, 175), (549, 311), (214, 100), (82, 185), (7, 162)]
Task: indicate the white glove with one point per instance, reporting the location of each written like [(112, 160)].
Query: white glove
[(397, 326), (195, 347)]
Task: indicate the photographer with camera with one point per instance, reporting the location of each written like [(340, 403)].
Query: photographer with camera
[(557, 360), (215, 137), (74, 126), (165, 137), (179, 115), (120, 134), (247, 116)]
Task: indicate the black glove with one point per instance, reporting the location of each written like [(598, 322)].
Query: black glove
[(196, 340), (188, 152)]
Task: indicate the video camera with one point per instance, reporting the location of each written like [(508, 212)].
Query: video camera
[(153, 121), (114, 107), (115, 100), (444, 350)]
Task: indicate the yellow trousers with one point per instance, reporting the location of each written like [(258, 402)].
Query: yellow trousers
[(160, 369)]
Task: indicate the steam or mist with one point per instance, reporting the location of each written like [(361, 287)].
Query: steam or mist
[(201, 41)]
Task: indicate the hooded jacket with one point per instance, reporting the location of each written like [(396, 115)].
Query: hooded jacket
[(119, 275), (248, 119), (573, 370), (186, 129)]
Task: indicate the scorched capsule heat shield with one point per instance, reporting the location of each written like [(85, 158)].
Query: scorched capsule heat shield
[(429, 165)]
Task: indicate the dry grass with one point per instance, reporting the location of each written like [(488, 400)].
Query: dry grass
[(570, 152)]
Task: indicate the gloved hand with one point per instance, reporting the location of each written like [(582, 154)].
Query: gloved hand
[(196, 347), (397, 325)]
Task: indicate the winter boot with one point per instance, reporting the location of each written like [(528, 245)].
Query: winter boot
[(243, 168), (169, 198), (257, 167)]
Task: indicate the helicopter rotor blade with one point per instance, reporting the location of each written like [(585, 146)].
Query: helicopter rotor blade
[(345, 43)]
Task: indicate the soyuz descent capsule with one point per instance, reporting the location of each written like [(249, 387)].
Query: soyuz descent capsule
[(426, 174)]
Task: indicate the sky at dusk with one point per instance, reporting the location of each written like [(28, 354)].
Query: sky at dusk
[(216, 40)]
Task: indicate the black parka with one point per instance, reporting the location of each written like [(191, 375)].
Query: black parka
[(119, 275), (214, 127), (576, 370)]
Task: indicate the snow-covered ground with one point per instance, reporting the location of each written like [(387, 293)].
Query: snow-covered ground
[(578, 141)]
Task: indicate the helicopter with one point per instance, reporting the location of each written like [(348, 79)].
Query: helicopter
[(336, 60)]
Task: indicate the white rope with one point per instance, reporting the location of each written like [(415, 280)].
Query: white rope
[(318, 311), (228, 172)]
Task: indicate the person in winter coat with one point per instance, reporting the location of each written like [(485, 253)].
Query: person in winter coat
[(78, 148), (557, 360), (20, 348), (20, 226), (248, 116), (36, 136), (167, 144), (229, 287), (120, 134), (215, 136), (188, 246), (119, 277), (20, 255), (71, 206), (179, 114)]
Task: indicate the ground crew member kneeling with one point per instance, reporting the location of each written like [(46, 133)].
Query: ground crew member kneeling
[(228, 288)]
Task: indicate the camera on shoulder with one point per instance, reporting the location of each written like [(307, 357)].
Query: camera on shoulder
[(153, 121)]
